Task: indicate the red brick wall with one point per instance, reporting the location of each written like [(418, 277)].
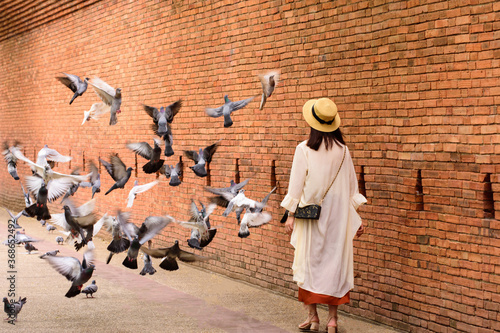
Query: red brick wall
[(416, 83)]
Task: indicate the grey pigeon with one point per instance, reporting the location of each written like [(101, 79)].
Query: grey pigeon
[(50, 253), (171, 254), (148, 266), (143, 149), (60, 240), (174, 173), (110, 96), (202, 158), (40, 209), (120, 242), (202, 233), (149, 228), (95, 179), (90, 289), (72, 190), (226, 109), (268, 81), (74, 83), (14, 218), (11, 160), (50, 228), (30, 247), (224, 195), (118, 171), (161, 123), (76, 272), (12, 309)]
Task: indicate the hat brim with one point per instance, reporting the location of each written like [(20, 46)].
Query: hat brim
[(308, 116)]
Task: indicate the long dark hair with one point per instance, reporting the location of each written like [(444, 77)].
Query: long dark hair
[(316, 138)]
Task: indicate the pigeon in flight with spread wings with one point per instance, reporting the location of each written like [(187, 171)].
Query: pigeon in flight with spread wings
[(95, 179), (74, 83), (149, 228), (118, 171), (110, 96), (14, 218), (115, 226), (268, 81), (96, 110), (10, 159), (76, 272), (174, 173), (202, 158), (171, 254), (161, 122), (138, 189), (47, 154), (202, 232), (226, 109), (225, 195), (143, 149)]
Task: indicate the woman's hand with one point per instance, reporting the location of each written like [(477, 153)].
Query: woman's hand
[(289, 224), (361, 230)]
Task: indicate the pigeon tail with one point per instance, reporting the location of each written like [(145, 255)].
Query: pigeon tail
[(109, 257), (227, 121), (263, 101), (168, 150), (211, 235), (152, 167), (118, 245), (73, 98), (169, 264), (95, 190), (199, 170), (130, 263), (148, 270), (244, 232), (113, 119), (174, 181), (114, 187), (73, 291), (194, 243), (14, 174)]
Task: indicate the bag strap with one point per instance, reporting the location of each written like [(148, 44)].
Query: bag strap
[(341, 163)]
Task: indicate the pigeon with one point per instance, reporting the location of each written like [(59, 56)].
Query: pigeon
[(173, 173), (76, 272), (138, 189), (110, 96), (73, 188), (14, 218), (118, 171), (116, 226), (20, 238), (161, 123), (40, 209), (226, 109), (95, 179), (201, 159), (47, 154), (148, 266), (224, 195), (50, 253), (11, 160), (96, 110), (268, 81), (149, 228), (170, 256), (202, 233), (143, 149), (60, 240), (30, 247), (74, 83), (12, 309), (27, 200), (50, 228), (90, 289)]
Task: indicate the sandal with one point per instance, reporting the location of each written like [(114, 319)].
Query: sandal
[(332, 328), (311, 324)]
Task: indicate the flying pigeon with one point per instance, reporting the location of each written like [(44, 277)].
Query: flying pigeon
[(21, 238), (173, 173), (139, 189), (11, 160), (118, 171), (149, 228), (143, 149), (50, 228), (171, 254), (12, 309), (224, 195), (40, 209), (110, 96), (49, 253), (90, 289), (76, 272), (95, 179), (30, 247), (47, 154), (202, 158), (96, 110), (226, 109), (73, 188), (268, 81), (60, 240), (148, 266), (202, 233), (14, 218), (27, 200), (74, 83), (161, 123), (115, 226)]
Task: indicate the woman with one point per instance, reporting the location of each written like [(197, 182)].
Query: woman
[(323, 260)]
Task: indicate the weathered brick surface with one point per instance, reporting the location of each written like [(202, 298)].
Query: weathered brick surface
[(416, 83)]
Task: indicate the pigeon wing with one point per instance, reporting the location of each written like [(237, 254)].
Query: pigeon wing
[(240, 104), (108, 166), (58, 187), (103, 90), (256, 219), (209, 151), (214, 113), (142, 149), (153, 224), (33, 184), (192, 155), (119, 168), (53, 155), (172, 110), (68, 266), (155, 253), (151, 111), (60, 220), (68, 82), (190, 257)]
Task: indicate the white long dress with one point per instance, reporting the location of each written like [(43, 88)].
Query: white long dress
[(323, 260)]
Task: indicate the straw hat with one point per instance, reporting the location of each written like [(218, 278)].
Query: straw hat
[(321, 114)]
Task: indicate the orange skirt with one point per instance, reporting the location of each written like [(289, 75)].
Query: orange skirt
[(308, 297)]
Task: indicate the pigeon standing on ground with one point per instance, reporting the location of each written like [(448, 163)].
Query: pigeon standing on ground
[(224, 195), (50, 253), (74, 83), (14, 218), (110, 96), (118, 171), (11, 160), (161, 123), (60, 240), (13, 309), (95, 179), (226, 109), (138, 189), (148, 266), (202, 158), (268, 81), (90, 289), (171, 254), (50, 228), (173, 173), (76, 272), (30, 247), (143, 149)]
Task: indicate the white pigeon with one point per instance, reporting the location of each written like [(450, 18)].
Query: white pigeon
[(96, 110), (138, 189), (47, 154)]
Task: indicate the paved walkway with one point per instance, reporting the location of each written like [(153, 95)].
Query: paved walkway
[(187, 300)]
